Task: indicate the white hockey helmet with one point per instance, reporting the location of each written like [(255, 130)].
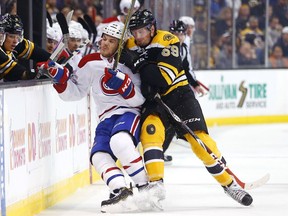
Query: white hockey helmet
[(127, 4), (187, 20), (79, 27), (53, 33), (114, 29), (75, 33)]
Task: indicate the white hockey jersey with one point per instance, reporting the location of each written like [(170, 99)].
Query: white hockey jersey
[(89, 75)]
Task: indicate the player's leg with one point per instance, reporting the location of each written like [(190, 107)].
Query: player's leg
[(169, 135), (104, 163), (152, 138), (123, 144), (215, 169)]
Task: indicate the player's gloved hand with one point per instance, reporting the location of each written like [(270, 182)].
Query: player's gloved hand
[(132, 60), (119, 81), (64, 57), (39, 69), (58, 73), (149, 92)]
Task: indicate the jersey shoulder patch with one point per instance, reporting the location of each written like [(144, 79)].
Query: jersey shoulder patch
[(88, 58), (164, 38)]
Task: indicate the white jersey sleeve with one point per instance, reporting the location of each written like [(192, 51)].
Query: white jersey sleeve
[(89, 76)]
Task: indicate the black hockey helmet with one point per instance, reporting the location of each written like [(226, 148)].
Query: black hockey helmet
[(141, 19), (177, 26), (12, 24)]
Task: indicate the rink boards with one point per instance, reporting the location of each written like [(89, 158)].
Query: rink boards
[(45, 142)]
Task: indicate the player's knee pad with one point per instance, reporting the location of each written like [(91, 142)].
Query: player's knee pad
[(152, 132), (200, 152), (152, 138), (101, 161), (120, 142)]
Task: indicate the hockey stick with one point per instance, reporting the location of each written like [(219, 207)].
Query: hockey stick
[(247, 186), (92, 26), (204, 86), (69, 17), (120, 45), (88, 29), (63, 23), (49, 18), (64, 27)]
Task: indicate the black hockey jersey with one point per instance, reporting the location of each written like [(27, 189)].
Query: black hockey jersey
[(10, 69), (165, 68)]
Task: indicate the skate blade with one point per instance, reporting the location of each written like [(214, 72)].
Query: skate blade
[(123, 206)]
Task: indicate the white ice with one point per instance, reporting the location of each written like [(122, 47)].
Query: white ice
[(250, 150)]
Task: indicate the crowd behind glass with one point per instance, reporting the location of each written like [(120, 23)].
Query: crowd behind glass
[(229, 34)]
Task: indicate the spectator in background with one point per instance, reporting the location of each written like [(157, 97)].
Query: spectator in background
[(200, 43), (235, 5), (215, 7), (255, 36), (274, 31), (247, 55), (224, 22), (281, 10), (124, 7), (51, 7), (224, 59), (283, 41), (243, 17), (276, 59)]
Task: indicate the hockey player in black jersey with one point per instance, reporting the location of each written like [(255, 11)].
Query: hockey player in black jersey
[(178, 28), (156, 57), (14, 48)]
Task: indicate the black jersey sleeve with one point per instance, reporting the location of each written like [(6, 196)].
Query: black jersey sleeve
[(28, 50)]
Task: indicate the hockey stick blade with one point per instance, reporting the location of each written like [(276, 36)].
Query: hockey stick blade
[(63, 23), (64, 27), (257, 183), (92, 26), (69, 17)]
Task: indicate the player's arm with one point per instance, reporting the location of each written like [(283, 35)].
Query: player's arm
[(28, 50), (122, 83), (10, 70)]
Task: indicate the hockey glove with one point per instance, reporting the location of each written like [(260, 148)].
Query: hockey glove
[(120, 82), (58, 73), (132, 60)]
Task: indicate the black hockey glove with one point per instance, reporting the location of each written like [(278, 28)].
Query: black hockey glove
[(132, 60), (148, 91)]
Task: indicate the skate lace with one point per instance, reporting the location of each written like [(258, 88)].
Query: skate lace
[(235, 192)]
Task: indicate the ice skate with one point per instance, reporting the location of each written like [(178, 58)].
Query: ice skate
[(150, 195), (119, 201), (238, 194)]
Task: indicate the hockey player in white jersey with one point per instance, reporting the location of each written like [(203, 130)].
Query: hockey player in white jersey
[(118, 100)]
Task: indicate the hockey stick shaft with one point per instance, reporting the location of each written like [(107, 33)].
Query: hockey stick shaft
[(204, 86), (120, 45), (200, 142)]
